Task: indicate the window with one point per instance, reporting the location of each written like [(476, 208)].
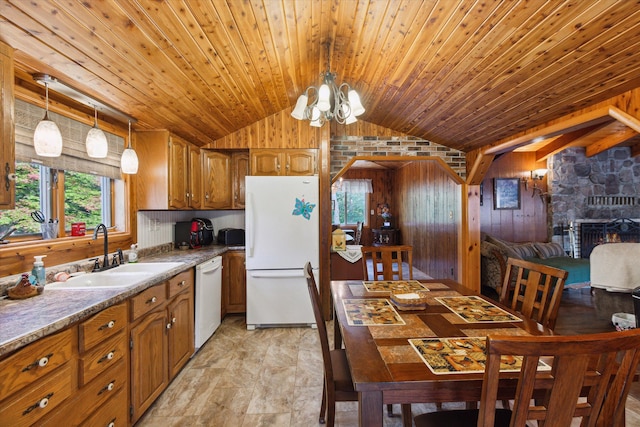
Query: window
[(87, 198), (350, 201)]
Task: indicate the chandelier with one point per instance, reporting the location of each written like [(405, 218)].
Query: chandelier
[(329, 102)]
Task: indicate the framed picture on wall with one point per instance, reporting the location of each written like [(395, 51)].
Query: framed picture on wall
[(506, 193)]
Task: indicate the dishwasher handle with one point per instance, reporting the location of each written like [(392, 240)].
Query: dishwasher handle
[(210, 266)]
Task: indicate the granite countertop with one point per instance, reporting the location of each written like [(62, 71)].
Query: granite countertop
[(25, 321)]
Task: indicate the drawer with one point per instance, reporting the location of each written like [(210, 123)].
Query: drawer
[(111, 414), (34, 361), (97, 394), (33, 403), (148, 300), (180, 282), (102, 357), (102, 326)]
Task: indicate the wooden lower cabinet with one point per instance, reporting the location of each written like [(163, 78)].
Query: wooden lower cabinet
[(107, 369), (161, 339), (234, 282)]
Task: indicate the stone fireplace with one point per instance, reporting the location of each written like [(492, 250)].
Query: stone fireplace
[(594, 190), (590, 234)]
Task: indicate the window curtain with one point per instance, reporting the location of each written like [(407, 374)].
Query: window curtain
[(353, 186), (74, 154)]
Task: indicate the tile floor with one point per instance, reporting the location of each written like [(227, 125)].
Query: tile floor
[(267, 377)]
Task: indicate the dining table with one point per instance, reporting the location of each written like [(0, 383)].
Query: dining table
[(402, 354)]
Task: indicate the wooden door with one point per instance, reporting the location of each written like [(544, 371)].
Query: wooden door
[(217, 180), (300, 162), (178, 173), (240, 167), (195, 177), (236, 293), (181, 334), (266, 162), (149, 368)]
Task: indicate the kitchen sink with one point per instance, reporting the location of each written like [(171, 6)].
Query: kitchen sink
[(119, 277)]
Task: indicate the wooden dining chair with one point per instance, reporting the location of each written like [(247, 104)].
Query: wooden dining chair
[(388, 262), (590, 377), (338, 386), (534, 290)]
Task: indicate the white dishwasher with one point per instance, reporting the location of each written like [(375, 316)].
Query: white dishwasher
[(208, 299)]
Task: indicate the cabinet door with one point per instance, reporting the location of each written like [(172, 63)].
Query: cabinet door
[(300, 162), (181, 335), (236, 293), (178, 173), (217, 182), (195, 178), (149, 366), (266, 162), (7, 147), (240, 162)]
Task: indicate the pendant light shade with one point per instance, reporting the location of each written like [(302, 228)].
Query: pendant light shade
[(96, 143), (47, 139), (129, 159)]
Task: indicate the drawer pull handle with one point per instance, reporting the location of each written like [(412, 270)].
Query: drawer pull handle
[(112, 423), (42, 362), (109, 325), (42, 403), (168, 325), (152, 300), (107, 356), (108, 387), (181, 284), (173, 320)]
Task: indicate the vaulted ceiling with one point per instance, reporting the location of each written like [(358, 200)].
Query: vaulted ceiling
[(460, 73)]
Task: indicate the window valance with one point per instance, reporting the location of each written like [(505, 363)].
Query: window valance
[(353, 186)]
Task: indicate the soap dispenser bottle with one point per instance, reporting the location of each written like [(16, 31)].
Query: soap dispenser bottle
[(133, 253), (38, 270)]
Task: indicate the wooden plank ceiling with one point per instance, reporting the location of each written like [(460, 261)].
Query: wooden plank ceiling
[(461, 73)]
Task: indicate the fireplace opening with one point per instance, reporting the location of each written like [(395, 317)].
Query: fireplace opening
[(616, 231)]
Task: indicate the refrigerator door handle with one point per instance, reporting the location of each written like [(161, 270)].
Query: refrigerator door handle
[(251, 224), (276, 273)]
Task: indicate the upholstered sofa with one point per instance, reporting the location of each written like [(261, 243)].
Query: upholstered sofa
[(494, 253)]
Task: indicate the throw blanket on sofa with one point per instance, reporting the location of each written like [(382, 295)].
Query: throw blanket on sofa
[(616, 266), (578, 268)]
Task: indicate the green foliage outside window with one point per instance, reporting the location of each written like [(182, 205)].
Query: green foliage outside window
[(83, 202), (351, 207)]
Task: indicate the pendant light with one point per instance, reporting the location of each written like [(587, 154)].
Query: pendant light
[(47, 139), (129, 159), (96, 143)]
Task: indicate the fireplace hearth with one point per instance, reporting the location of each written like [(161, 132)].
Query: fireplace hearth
[(619, 230)]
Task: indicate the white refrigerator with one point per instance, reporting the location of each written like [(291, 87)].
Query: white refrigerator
[(282, 234)]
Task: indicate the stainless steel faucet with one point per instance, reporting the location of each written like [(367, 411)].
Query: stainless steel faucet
[(105, 262)]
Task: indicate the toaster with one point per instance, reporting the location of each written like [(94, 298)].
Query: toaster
[(231, 236)]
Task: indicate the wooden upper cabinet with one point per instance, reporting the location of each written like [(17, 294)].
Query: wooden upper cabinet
[(241, 167), (7, 125), (217, 179), (224, 173), (178, 173), (275, 162), (170, 174)]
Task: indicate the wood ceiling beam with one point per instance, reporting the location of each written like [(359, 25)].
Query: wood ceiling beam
[(565, 141), (610, 141), (478, 163)]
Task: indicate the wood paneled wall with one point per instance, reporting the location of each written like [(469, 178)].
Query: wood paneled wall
[(428, 207), (279, 130), (529, 223)]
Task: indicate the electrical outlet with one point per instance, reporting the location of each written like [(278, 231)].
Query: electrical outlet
[(156, 224)]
